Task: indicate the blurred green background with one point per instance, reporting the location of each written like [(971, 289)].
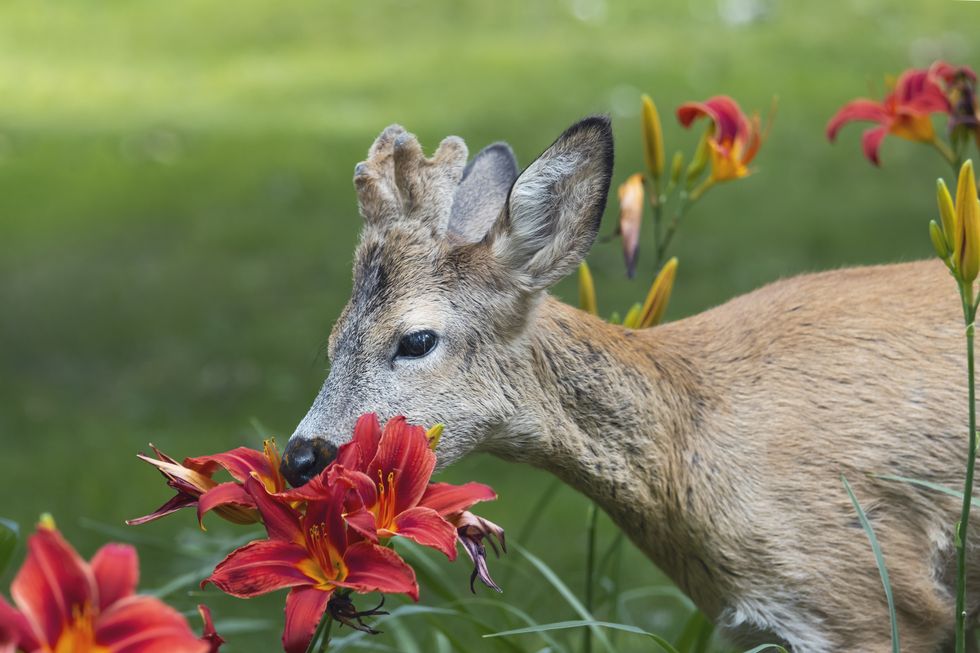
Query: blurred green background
[(177, 222)]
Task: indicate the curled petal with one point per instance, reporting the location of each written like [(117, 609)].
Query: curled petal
[(117, 570), (232, 495), (864, 110), (239, 462), (304, 609), (871, 141), (173, 505), (372, 568), (447, 499), (183, 479), (364, 523), (630, 219), (143, 624), (472, 530), (53, 584), (261, 567), (424, 526)]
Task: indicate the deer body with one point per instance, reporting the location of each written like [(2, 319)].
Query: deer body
[(717, 443)]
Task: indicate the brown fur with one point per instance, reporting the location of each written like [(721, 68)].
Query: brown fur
[(717, 443)]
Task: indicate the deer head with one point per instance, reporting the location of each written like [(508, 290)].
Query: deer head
[(452, 262)]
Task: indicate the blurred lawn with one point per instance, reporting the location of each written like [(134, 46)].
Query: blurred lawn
[(177, 217)]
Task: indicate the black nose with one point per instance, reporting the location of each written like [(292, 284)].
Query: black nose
[(305, 458)]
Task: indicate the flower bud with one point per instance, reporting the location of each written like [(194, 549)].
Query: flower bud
[(938, 240), (632, 319), (586, 290), (433, 435), (630, 217), (967, 252), (656, 303), (676, 167), (701, 157), (947, 213), (653, 138)]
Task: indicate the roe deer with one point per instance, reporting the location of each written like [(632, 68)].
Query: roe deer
[(716, 442)]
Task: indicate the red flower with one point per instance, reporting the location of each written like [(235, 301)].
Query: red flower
[(905, 112), (735, 140), (312, 553), (195, 487), (390, 472), (67, 605)]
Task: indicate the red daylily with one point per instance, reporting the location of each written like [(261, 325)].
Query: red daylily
[(195, 487), (313, 554), (905, 112), (67, 605), (735, 139), (390, 472), (961, 89)]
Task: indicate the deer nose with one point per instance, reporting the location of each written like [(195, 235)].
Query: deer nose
[(304, 458)]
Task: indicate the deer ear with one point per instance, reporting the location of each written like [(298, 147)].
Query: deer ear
[(556, 205), (481, 195)]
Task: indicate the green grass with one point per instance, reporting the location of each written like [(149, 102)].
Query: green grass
[(177, 222)]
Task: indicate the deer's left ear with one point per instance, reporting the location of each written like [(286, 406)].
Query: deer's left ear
[(556, 205)]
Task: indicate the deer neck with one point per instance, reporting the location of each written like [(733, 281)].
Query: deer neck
[(614, 413)]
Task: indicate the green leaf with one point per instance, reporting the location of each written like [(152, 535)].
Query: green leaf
[(767, 647), (566, 594), (9, 534), (588, 623), (926, 484), (879, 560)]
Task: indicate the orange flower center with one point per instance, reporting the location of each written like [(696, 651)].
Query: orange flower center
[(327, 564), (385, 510), (79, 635)]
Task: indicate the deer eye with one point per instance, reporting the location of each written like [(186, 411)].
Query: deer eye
[(416, 344)]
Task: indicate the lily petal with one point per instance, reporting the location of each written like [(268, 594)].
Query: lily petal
[(222, 495), (173, 505), (281, 521), (446, 498), (210, 635), (304, 609), (367, 435), (373, 568), (239, 462), (871, 141), (116, 569), (405, 451), (363, 522), (143, 624), (16, 632), (865, 110), (424, 526), (53, 583), (260, 567)]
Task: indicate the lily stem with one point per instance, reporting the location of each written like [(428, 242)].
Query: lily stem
[(946, 153), (322, 635), (590, 572), (684, 203), (969, 315)]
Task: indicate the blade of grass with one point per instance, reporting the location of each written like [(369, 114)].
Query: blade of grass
[(695, 634), (588, 623), (341, 643), (593, 521), (926, 484), (879, 560), (566, 593), (520, 614)]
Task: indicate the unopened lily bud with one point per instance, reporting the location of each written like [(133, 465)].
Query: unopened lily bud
[(586, 290), (630, 217), (967, 252), (433, 435), (47, 521), (653, 138), (632, 319), (938, 240), (701, 157), (947, 213), (656, 303), (676, 167)]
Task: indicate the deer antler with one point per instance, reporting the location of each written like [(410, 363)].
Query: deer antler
[(398, 184)]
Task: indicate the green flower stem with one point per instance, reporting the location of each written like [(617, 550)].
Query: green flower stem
[(946, 153), (684, 203), (322, 635), (969, 315)]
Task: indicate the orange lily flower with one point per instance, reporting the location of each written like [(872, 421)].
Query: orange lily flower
[(195, 487), (313, 554), (905, 112), (735, 139), (67, 605)]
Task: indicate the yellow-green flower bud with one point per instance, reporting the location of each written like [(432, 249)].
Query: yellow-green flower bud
[(632, 319), (653, 138), (676, 167), (938, 240), (947, 213), (967, 250), (656, 303), (701, 157), (586, 290)]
